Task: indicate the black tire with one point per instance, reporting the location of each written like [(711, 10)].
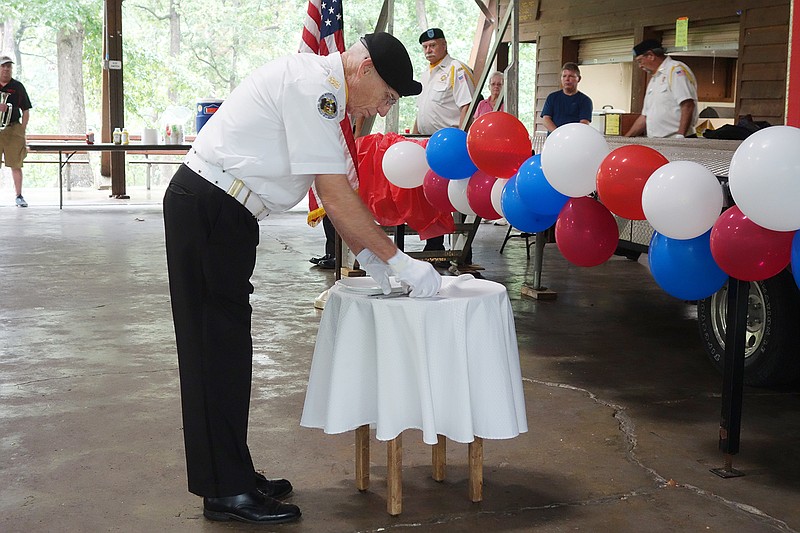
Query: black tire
[(772, 348)]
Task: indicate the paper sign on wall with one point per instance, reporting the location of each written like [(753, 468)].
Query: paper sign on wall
[(682, 32)]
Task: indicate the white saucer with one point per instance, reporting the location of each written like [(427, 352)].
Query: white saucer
[(366, 285)]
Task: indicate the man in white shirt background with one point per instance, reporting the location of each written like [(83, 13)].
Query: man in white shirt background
[(447, 88), (670, 103)]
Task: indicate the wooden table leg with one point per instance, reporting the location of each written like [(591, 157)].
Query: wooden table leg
[(394, 481), (439, 458), (476, 470), (362, 457)]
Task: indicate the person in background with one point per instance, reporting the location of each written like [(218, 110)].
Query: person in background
[(568, 105), (670, 103), (12, 137), (495, 88), (278, 132), (328, 260), (487, 105), (447, 88)]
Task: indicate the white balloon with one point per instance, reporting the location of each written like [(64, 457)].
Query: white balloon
[(682, 200), (764, 178), (497, 193), (571, 156), (405, 165), (457, 193)]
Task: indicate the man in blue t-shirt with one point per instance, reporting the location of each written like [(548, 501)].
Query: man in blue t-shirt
[(568, 105)]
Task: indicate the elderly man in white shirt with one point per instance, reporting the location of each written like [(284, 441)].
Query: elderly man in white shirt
[(670, 104), (447, 87), (275, 135)]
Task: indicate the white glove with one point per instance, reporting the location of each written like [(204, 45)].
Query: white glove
[(419, 275), (376, 269)]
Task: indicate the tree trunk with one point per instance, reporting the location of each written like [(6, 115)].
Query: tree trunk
[(422, 17), (174, 43), (71, 105)]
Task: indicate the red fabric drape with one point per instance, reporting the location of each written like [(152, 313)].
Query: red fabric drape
[(389, 204)]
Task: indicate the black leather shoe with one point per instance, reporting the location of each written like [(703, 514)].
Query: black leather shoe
[(327, 263), (251, 507), (274, 488), (316, 260)]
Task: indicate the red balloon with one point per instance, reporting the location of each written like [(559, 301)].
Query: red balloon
[(498, 144), (479, 195), (586, 232), (621, 178), (434, 187), (746, 251)]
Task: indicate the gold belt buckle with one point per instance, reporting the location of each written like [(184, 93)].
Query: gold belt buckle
[(235, 188)]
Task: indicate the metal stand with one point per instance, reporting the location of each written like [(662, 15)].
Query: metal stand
[(733, 376), (536, 290)]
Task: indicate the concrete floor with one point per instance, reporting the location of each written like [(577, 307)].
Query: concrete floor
[(623, 406)]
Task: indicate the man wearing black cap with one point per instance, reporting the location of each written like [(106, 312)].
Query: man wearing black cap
[(447, 87), (670, 103), (12, 137), (275, 135)]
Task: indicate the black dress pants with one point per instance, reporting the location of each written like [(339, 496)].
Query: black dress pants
[(211, 251)]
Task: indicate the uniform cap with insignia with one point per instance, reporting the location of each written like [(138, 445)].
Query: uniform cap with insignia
[(392, 63), (646, 46), (431, 34)]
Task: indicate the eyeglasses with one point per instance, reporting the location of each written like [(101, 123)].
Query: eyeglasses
[(390, 99)]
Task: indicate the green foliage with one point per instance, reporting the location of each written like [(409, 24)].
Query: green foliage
[(221, 43)]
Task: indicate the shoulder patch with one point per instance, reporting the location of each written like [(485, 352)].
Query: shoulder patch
[(327, 106)]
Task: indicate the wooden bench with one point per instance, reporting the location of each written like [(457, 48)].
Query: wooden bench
[(150, 162), (148, 155), (58, 137)]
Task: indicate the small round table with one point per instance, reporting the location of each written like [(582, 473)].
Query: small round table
[(447, 365)]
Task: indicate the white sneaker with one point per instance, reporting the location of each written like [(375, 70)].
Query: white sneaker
[(21, 201), (501, 222)]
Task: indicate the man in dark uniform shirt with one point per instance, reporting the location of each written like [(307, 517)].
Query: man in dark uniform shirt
[(12, 137)]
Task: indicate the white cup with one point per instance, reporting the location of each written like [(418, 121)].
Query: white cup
[(149, 136)]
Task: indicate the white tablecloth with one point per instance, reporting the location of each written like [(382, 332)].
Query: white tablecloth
[(447, 365)]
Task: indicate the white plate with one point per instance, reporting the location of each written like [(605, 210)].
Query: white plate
[(366, 285)]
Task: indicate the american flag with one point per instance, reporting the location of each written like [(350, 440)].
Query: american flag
[(323, 30), (323, 33)]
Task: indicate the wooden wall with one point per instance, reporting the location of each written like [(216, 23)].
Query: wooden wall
[(557, 25)]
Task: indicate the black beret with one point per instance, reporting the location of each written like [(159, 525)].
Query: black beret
[(433, 33), (645, 46), (392, 63)]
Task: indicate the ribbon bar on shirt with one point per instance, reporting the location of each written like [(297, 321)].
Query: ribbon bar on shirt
[(233, 187)]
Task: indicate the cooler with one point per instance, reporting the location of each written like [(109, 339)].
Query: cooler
[(205, 108)]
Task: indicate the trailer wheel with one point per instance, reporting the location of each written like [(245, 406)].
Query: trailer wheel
[(772, 344)]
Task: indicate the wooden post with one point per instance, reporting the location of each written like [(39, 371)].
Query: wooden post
[(394, 481), (362, 457), (439, 458), (476, 470), (112, 70)]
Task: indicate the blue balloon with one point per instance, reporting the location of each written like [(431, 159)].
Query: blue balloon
[(796, 257), (685, 268), (447, 154), (536, 191), (518, 214)]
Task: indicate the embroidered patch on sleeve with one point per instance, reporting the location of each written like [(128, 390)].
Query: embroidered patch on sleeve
[(327, 106)]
